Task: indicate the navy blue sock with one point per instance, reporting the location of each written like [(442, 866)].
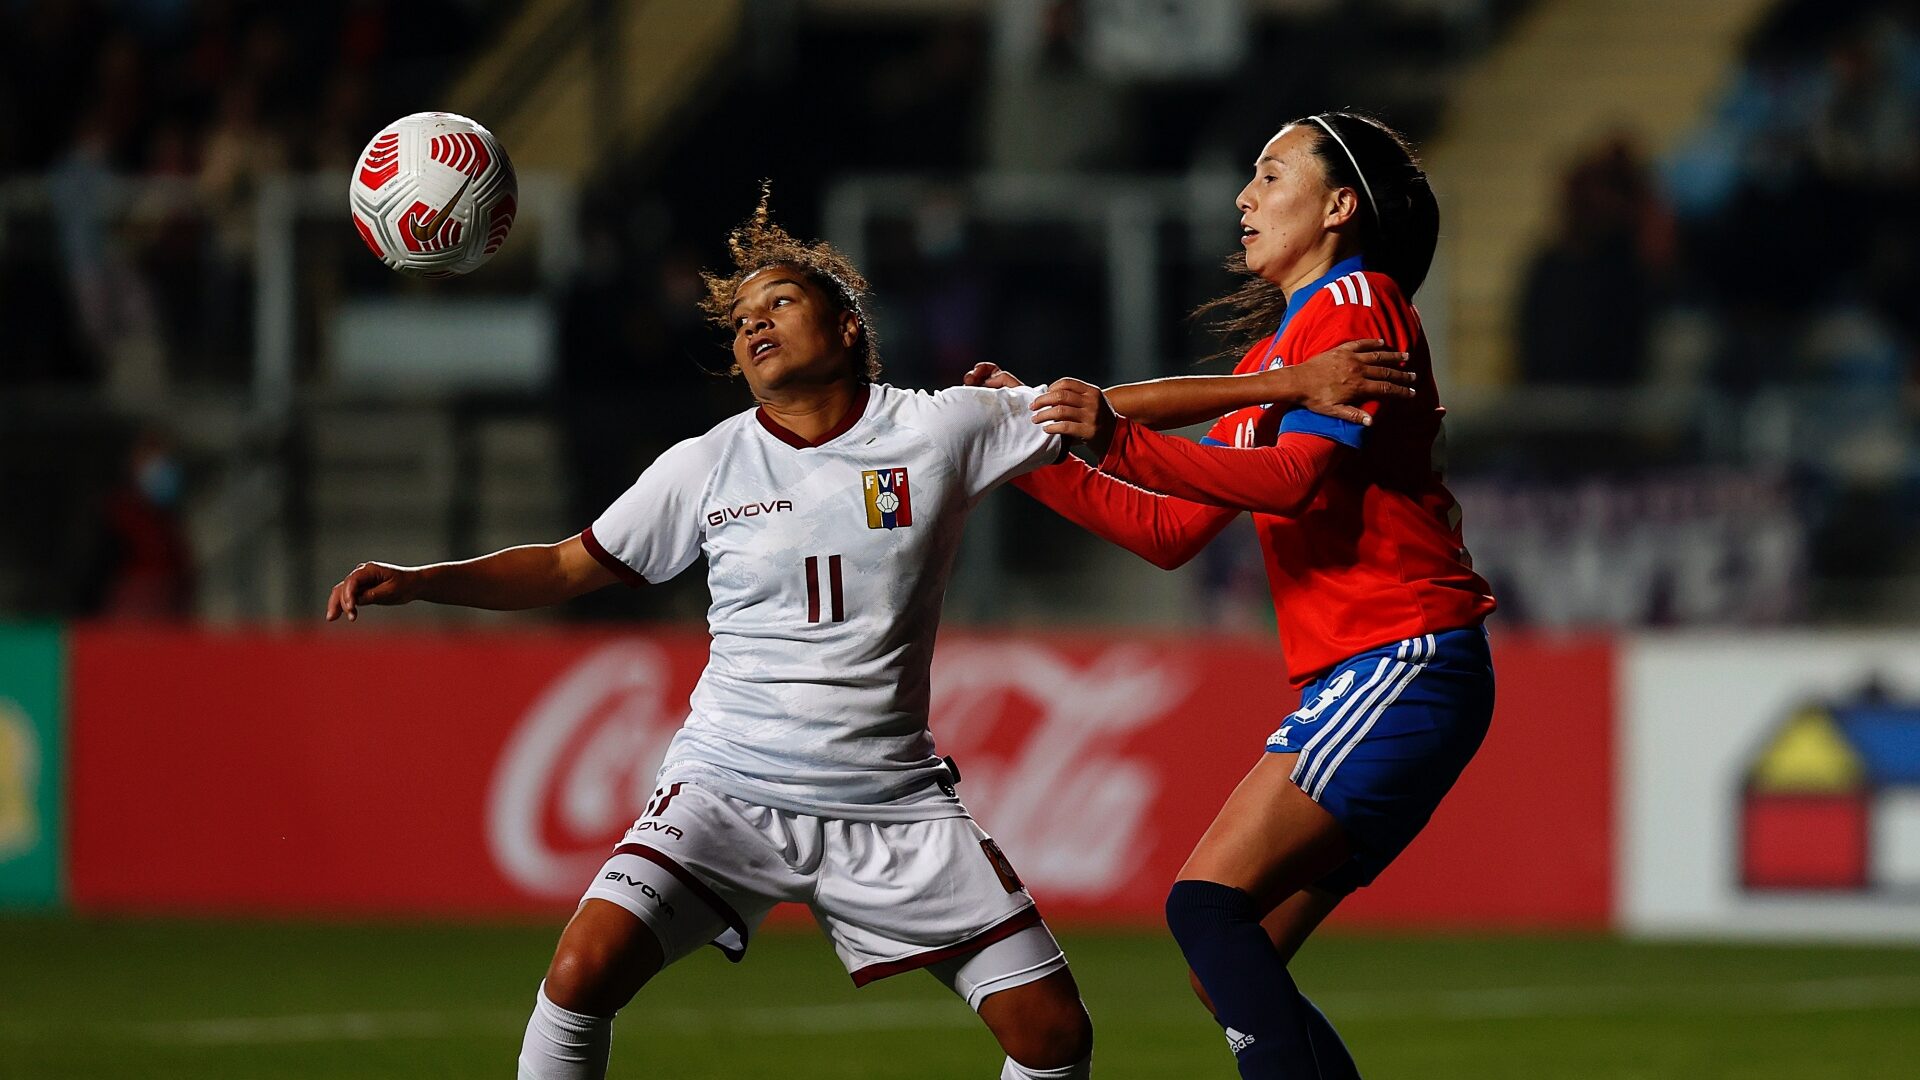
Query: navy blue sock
[(1272, 1029), (1329, 1052)]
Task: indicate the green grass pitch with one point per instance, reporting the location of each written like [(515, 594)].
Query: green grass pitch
[(213, 1001)]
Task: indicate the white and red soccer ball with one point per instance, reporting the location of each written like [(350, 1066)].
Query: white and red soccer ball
[(434, 194)]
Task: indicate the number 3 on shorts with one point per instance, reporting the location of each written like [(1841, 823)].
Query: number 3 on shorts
[(1002, 866)]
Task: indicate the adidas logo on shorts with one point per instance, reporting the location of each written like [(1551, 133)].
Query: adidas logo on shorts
[(1238, 1042)]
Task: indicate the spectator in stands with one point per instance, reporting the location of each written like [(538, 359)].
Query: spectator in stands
[(112, 303), (1590, 296), (240, 150), (1819, 131), (143, 568), (1867, 128)]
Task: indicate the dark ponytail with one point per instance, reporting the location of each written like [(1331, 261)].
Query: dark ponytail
[(1398, 215)]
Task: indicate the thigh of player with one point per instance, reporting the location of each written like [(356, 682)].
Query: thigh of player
[(700, 868), (1382, 762), (937, 895)]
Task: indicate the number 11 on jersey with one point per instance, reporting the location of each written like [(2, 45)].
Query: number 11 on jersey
[(838, 606)]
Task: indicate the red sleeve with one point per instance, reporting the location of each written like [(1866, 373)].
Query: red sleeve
[(1278, 479), (1164, 531)]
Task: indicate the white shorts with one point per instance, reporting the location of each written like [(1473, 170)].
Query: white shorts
[(700, 867)]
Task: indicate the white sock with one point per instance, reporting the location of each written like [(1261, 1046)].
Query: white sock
[(1079, 1070), (563, 1045)]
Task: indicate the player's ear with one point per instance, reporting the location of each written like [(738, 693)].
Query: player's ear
[(1343, 206), (849, 329)]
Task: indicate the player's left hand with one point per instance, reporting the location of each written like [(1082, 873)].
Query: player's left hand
[(1333, 382), (1078, 411), (371, 583)]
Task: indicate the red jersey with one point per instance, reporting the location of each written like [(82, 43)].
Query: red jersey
[(1376, 555), (1363, 546)]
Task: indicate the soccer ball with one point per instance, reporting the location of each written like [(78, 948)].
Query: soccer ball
[(433, 194)]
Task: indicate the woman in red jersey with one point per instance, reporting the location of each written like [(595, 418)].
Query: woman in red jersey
[(1379, 610)]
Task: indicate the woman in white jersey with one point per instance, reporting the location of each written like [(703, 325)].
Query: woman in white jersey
[(829, 516)]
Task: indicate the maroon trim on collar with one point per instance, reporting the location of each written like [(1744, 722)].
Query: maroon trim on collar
[(854, 413)]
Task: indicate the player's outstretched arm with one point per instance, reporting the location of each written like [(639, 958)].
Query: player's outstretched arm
[(1165, 531), (1278, 479), (1330, 383), (534, 575)]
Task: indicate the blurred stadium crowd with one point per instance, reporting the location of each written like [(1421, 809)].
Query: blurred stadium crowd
[(1789, 211), (211, 96), (1754, 281), (1763, 271)]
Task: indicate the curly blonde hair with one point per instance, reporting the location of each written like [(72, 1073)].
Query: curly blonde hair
[(758, 243)]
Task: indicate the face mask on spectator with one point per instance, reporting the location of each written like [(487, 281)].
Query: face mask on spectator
[(160, 480)]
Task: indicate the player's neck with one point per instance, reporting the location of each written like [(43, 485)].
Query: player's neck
[(810, 411), (1315, 265)]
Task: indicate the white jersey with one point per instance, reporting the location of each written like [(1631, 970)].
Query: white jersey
[(828, 563)]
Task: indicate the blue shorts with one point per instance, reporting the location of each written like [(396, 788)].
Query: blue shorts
[(1383, 735)]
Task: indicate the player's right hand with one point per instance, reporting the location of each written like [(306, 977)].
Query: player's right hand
[(370, 583), (1332, 382), (990, 376), (1076, 410)]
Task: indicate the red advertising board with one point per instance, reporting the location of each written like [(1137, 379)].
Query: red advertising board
[(1526, 838), (372, 773)]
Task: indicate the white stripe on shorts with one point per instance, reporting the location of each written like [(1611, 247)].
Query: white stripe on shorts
[(1399, 687), (1379, 672), (1410, 657), (1338, 735)]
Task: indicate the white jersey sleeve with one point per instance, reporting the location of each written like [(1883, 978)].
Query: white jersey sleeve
[(991, 436), (654, 530)]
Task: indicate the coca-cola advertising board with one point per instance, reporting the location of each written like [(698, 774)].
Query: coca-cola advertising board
[(362, 772)]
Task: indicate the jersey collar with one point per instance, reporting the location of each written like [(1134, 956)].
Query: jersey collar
[(852, 417), (1306, 292), (1299, 300)]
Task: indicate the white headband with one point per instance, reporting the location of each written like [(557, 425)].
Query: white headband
[(1364, 186)]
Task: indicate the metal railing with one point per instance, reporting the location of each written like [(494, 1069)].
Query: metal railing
[(246, 432), (240, 432)]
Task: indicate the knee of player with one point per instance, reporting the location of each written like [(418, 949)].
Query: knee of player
[(1196, 910), (581, 976), (1176, 912), (1052, 1037), (1182, 914)]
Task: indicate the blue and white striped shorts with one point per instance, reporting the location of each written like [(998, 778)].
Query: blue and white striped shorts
[(1383, 735)]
